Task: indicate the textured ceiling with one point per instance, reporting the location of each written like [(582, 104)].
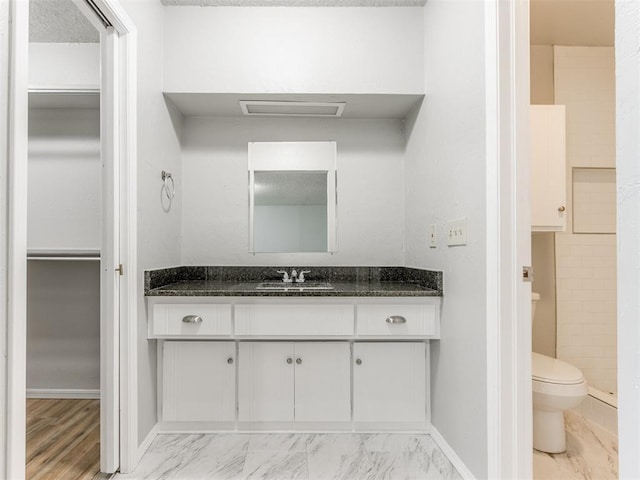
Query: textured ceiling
[(297, 3), (59, 21), (572, 22)]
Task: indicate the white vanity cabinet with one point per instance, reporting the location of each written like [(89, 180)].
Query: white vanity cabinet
[(198, 381), (389, 382), (293, 363), (294, 381)]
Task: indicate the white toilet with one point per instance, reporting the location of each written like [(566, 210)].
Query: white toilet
[(557, 386)]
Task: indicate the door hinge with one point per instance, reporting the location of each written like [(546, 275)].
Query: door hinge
[(527, 274), (120, 269)]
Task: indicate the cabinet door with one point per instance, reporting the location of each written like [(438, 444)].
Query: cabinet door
[(199, 381), (389, 382), (322, 382), (266, 372), (548, 168)]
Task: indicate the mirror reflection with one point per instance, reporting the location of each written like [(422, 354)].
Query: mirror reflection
[(290, 211), (292, 197)]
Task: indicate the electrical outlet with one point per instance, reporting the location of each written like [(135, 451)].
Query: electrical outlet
[(433, 236), (457, 231)]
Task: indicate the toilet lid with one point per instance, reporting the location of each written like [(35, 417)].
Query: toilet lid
[(551, 370)]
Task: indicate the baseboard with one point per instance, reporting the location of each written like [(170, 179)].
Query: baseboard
[(458, 464), (71, 393)]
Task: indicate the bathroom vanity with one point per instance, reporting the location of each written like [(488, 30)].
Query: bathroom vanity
[(233, 355)]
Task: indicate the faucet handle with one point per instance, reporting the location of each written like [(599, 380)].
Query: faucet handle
[(301, 278), (285, 275)]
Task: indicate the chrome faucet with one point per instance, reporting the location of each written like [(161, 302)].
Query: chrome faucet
[(285, 276), (301, 278)]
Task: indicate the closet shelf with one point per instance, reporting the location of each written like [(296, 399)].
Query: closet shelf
[(63, 254)]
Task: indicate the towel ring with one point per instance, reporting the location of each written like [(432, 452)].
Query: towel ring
[(169, 185)]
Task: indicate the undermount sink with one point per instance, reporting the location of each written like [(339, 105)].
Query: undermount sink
[(296, 287)]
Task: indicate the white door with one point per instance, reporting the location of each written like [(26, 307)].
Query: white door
[(110, 255), (322, 382), (265, 371), (389, 382)]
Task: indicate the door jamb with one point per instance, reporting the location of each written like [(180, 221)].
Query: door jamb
[(509, 410)]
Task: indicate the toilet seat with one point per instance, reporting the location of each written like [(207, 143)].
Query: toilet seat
[(550, 370)]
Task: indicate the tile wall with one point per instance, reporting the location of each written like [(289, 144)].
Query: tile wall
[(584, 80)]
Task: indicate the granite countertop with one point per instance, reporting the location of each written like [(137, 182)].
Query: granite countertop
[(242, 281)]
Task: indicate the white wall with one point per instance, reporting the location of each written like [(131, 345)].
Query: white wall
[(294, 50), (586, 263), (81, 63), (64, 179), (628, 173), (158, 149), (543, 258), (63, 325), (4, 137), (215, 215), (543, 244), (445, 179)]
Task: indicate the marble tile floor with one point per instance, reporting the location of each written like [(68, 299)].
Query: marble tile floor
[(592, 454), (271, 456)]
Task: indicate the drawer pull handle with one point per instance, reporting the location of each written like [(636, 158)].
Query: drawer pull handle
[(192, 319), (230, 360), (289, 360), (396, 319), (298, 361), (358, 361)]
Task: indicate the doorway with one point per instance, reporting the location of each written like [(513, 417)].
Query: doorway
[(117, 236), (64, 238), (573, 66)]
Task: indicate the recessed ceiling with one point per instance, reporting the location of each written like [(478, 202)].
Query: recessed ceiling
[(573, 22), (59, 21), (296, 3), (369, 106)]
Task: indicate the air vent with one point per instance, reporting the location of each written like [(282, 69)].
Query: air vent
[(291, 108)]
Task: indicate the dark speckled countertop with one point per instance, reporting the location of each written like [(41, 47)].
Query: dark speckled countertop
[(242, 281)]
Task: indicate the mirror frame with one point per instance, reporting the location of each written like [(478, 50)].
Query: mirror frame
[(276, 156)]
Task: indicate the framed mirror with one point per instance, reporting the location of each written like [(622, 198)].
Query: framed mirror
[(292, 197)]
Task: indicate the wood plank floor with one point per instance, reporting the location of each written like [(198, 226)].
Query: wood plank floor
[(63, 439)]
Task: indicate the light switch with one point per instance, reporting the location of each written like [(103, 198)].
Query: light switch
[(433, 235), (456, 231)]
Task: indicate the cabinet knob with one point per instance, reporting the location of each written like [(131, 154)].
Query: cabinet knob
[(396, 319), (358, 361), (561, 209), (230, 360), (192, 319), (298, 361), (289, 360)]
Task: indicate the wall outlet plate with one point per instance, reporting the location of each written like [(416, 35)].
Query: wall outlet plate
[(433, 235), (457, 231)]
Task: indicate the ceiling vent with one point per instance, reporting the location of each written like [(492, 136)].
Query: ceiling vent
[(291, 108)]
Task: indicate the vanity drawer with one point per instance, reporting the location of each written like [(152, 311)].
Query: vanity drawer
[(294, 320), (397, 320), (169, 320)]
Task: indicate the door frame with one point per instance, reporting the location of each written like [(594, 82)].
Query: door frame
[(118, 345), (509, 403)]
